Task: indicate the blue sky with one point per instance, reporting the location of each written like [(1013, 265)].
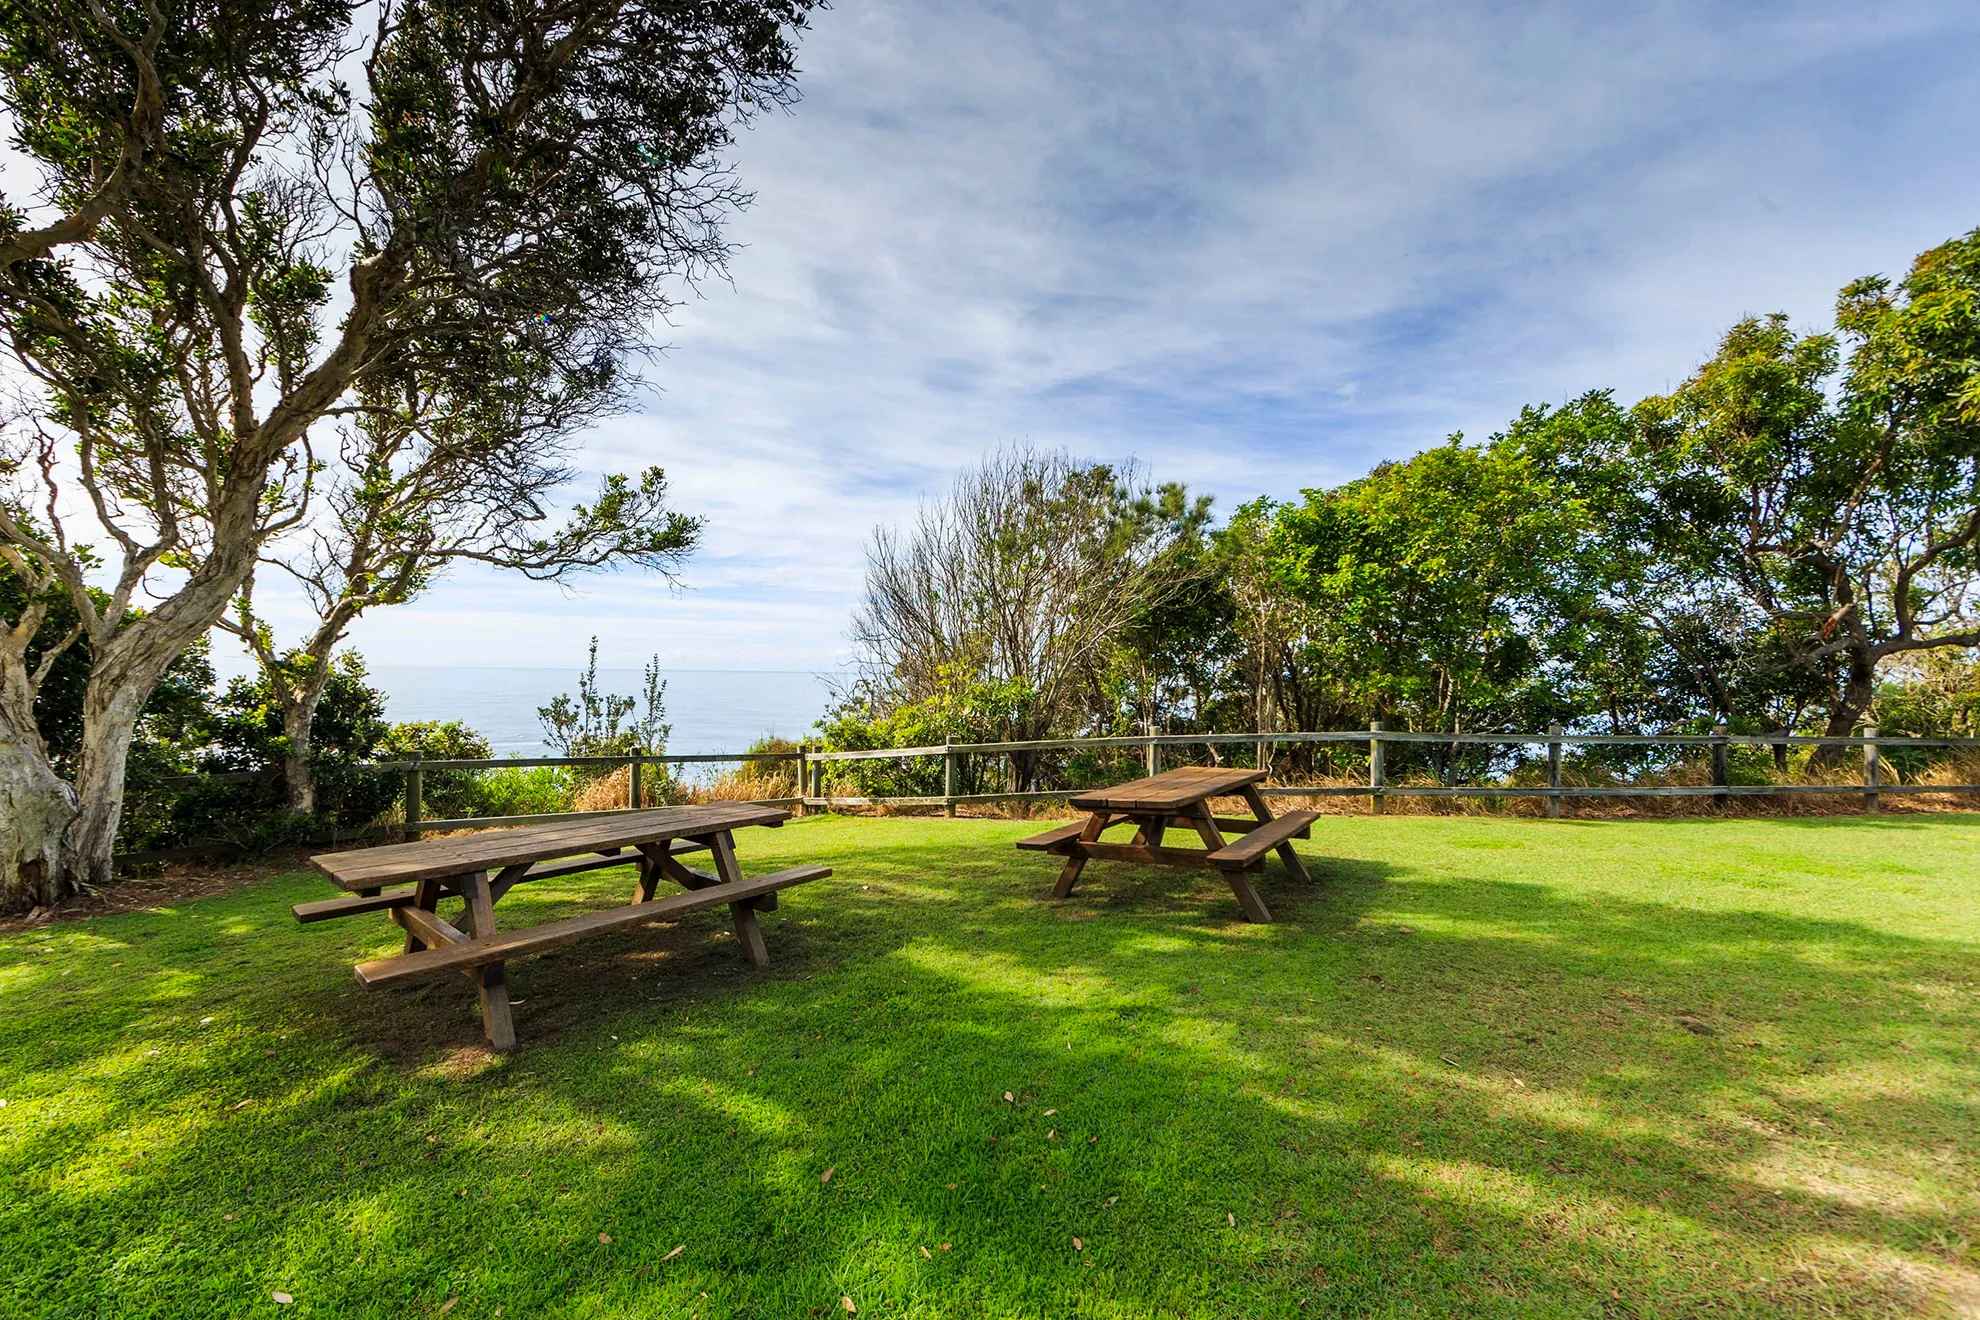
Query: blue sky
[(1258, 246)]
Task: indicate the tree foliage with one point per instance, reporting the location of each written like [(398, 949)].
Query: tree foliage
[(258, 216)]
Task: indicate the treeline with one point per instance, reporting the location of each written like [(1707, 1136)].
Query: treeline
[(1786, 541)]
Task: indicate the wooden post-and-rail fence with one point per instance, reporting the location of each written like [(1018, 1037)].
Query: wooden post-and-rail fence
[(809, 766)]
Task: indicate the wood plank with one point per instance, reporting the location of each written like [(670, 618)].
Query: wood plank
[(491, 980), (1077, 853), (431, 930), (433, 962), (1053, 840), (750, 934), (1294, 867), (494, 849), (1172, 791), (329, 909), (1253, 846), (1146, 855), (426, 897), (689, 877)]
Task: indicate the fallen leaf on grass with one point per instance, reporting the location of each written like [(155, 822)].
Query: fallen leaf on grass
[(943, 1247), (952, 1187), (228, 1218), (281, 1298), (605, 1238), (1050, 1112), (1230, 1219), (1009, 1098), (847, 1302), (1052, 1134), (448, 1305), (1078, 1245), (675, 1252), (827, 1175), (1445, 1058), (925, 1254)]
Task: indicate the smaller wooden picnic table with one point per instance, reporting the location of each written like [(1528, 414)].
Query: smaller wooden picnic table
[(1181, 798), (481, 868)]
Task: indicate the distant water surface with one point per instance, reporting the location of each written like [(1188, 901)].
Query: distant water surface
[(712, 710)]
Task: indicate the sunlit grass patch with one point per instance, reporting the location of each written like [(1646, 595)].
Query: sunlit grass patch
[(1478, 1067)]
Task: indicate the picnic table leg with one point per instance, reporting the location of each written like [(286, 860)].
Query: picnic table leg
[(649, 878), (426, 894), (748, 932), (1076, 861), (1256, 801), (1213, 839), (491, 980)]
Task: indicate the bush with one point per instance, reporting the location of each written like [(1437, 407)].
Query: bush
[(525, 791), (444, 794)]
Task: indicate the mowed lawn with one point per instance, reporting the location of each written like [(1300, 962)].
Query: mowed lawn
[(1479, 1067)]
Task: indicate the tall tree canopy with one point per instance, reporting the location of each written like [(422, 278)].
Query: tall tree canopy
[(253, 216)]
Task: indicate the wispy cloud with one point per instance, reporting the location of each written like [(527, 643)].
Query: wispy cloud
[(1258, 246)]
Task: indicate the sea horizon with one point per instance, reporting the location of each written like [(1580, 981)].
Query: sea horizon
[(711, 710)]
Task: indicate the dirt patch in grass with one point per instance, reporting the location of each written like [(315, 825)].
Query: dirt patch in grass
[(159, 885)]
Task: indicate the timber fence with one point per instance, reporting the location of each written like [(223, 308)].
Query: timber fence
[(1261, 749), (1111, 759)]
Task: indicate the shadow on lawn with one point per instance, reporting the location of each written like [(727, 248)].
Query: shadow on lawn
[(1478, 1097)]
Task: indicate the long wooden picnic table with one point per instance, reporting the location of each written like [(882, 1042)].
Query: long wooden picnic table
[(481, 868), (1180, 798)]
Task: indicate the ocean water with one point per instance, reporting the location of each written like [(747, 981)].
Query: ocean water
[(712, 710)]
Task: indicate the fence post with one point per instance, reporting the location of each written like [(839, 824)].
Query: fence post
[(948, 781), (1376, 777), (1719, 777), (634, 797), (803, 778), (1871, 769), (1554, 771), (1153, 758), (1265, 756), (412, 798)]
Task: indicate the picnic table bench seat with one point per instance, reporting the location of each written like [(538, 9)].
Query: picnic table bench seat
[(467, 952), (408, 880), (1263, 837)]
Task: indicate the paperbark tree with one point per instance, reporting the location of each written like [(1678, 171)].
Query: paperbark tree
[(1021, 577), (230, 242)]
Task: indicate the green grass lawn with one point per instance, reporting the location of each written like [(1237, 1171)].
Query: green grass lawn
[(1479, 1067)]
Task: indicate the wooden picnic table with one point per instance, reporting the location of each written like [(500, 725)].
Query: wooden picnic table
[(481, 868), (1181, 799)]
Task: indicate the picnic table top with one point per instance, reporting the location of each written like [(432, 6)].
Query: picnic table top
[(1168, 791), (489, 850)]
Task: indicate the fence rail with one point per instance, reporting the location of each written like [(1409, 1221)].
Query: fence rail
[(811, 764), (1379, 788)]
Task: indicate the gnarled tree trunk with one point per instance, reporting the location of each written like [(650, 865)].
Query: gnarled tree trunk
[(35, 810), (298, 717)]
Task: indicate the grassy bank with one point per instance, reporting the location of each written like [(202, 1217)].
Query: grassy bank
[(1480, 1067)]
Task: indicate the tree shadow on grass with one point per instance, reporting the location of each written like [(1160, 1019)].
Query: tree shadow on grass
[(1414, 1095)]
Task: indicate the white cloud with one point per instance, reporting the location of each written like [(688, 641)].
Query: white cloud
[(1256, 245)]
